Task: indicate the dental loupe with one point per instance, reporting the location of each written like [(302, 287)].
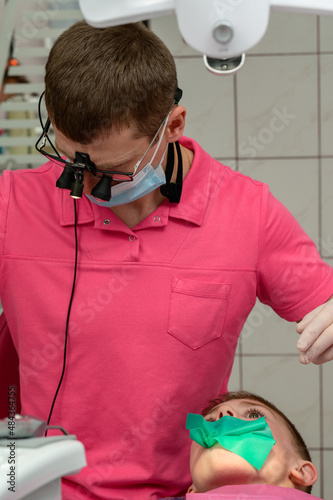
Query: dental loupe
[(222, 30)]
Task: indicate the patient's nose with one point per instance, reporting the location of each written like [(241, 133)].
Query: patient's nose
[(226, 411)]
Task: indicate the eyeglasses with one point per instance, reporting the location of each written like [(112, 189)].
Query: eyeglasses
[(82, 160)]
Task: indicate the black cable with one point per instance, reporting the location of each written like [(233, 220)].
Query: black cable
[(68, 315)]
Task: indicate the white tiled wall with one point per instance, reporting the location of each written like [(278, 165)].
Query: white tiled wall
[(212, 120), (238, 120)]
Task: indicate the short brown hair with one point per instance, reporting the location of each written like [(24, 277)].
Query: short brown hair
[(98, 79), (298, 441)]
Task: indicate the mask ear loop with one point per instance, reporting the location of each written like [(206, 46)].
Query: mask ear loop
[(177, 98), (164, 123)]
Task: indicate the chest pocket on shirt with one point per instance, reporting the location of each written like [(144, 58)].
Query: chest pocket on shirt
[(197, 311)]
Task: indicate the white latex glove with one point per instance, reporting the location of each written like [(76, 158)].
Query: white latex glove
[(316, 335)]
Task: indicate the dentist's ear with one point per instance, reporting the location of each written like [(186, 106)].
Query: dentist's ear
[(176, 124), (305, 474), (192, 489)]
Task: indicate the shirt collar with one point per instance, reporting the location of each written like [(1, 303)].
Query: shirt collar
[(197, 188)]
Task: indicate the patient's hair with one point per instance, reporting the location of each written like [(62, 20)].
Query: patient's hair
[(98, 79), (298, 441)]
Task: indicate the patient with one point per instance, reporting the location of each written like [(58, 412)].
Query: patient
[(287, 470)]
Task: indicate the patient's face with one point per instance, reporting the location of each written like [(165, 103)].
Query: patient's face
[(216, 466)]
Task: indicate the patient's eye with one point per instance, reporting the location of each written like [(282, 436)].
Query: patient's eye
[(253, 413)]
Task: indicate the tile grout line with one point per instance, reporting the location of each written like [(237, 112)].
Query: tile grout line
[(319, 138), (319, 131), (321, 433), (240, 368), (314, 448), (236, 121), (266, 54)]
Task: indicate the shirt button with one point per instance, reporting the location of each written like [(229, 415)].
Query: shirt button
[(131, 237), (157, 218), (106, 222)]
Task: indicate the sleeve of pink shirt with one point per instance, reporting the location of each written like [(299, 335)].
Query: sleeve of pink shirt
[(290, 269)]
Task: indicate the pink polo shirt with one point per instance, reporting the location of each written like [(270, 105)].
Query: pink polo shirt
[(156, 314), (252, 492)]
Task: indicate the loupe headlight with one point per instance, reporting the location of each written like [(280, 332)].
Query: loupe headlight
[(73, 174)]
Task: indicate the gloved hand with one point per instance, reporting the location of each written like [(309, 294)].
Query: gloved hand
[(316, 335)]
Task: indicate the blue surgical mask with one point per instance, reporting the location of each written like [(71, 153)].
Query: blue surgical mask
[(146, 181)]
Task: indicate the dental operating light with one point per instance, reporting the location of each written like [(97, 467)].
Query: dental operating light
[(222, 30)]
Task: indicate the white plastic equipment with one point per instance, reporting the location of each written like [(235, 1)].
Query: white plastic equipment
[(219, 29), (31, 468)]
